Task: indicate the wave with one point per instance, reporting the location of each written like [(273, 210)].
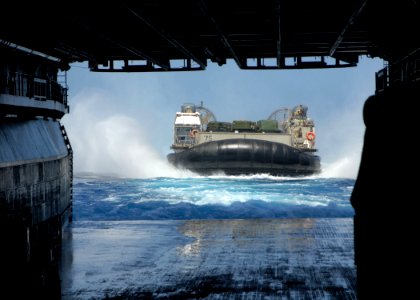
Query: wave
[(208, 197)]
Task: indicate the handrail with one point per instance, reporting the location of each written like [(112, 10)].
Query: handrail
[(21, 84)]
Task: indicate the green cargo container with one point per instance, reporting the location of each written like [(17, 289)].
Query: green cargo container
[(219, 126), (268, 125), (244, 125)]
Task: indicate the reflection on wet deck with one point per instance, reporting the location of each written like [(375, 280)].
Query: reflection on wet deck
[(212, 259)]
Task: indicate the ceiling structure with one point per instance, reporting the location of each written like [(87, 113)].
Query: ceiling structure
[(160, 35)]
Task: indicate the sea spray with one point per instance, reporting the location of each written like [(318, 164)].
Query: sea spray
[(345, 167), (110, 143)]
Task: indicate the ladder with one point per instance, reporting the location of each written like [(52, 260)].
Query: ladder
[(70, 152)]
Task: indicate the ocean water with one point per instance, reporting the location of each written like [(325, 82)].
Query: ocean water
[(211, 197), (215, 237)]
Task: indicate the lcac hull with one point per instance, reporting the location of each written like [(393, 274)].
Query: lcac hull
[(246, 156)]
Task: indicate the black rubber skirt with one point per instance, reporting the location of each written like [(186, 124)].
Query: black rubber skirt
[(246, 156)]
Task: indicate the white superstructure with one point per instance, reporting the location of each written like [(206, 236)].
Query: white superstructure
[(187, 125)]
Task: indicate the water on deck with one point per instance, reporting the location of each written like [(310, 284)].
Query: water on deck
[(211, 259)]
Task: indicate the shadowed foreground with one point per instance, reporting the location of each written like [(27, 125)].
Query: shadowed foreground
[(212, 259)]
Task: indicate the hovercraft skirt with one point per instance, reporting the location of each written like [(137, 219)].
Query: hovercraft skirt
[(246, 156)]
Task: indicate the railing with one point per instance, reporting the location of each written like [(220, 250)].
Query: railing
[(40, 89), (404, 71), (21, 84)]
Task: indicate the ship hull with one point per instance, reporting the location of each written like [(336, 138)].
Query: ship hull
[(246, 156)]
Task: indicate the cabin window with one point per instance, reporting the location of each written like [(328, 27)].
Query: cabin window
[(183, 135)]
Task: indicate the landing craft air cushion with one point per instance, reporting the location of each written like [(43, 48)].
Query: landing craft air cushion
[(281, 145)]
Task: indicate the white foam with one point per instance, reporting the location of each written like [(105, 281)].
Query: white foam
[(113, 144), (345, 167)]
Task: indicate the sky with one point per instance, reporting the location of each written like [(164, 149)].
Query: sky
[(121, 123)]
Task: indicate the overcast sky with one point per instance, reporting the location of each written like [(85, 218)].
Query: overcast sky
[(122, 122)]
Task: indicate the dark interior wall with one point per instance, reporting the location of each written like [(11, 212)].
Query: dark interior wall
[(35, 202), (385, 193)]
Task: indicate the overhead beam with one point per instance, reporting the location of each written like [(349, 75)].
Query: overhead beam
[(28, 51), (141, 68), (129, 48), (299, 63), (222, 35), (141, 16), (340, 37), (278, 52), (74, 53), (135, 51)]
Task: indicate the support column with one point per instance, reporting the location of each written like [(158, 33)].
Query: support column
[(385, 195)]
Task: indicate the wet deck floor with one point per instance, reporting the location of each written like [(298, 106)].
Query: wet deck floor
[(210, 259)]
